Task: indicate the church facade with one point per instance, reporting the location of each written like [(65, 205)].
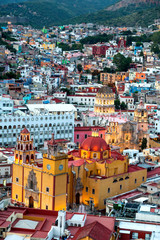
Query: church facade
[(39, 185), (86, 176), (97, 173)]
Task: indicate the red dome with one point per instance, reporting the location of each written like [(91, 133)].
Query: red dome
[(96, 144)]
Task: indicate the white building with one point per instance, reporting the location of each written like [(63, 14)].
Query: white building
[(127, 100), (42, 120), (85, 101), (132, 154), (6, 105)]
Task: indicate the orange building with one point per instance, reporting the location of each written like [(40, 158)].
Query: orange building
[(111, 78), (140, 76)]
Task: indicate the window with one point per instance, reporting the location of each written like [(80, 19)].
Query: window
[(85, 136), (108, 190), (147, 236), (120, 187), (47, 189), (115, 180), (135, 180), (143, 179), (86, 189), (16, 196), (17, 179), (93, 191), (94, 155), (134, 235), (77, 136), (46, 207)]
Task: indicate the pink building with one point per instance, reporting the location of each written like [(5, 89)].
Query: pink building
[(81, 133)]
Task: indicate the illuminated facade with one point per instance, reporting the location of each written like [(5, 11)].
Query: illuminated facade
[(96, 173), (122, 134), (104, 102), (141, 117), (88, 175), (35, 184)]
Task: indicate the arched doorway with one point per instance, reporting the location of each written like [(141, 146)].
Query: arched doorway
[(77, 198), (31, 202)]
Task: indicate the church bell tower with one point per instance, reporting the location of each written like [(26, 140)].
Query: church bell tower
[(24, 151)]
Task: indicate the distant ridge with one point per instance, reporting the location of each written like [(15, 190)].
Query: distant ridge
[(39, 13), (136, 3), (50, 12), (125, 13)]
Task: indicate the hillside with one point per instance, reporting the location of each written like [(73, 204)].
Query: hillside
[(136, 3), (49, 12), (142, 14)]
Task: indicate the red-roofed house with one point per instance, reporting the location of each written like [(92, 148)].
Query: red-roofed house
[(45, 224)]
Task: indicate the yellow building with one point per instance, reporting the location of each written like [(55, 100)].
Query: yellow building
[(39, 185), (122, 134), (48, 46), (104, 102), (92, 174), (97, 173), (141, 117)]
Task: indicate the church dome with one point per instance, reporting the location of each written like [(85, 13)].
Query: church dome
[(96, 144)]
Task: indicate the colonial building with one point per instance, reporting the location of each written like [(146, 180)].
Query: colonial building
[(41, 120), (141, 117), (96, 173), (122, 134), (39, 185), (104, 102), (88, 175)]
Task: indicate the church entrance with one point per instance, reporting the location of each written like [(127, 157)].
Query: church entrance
[(31, 202), (77, 198)]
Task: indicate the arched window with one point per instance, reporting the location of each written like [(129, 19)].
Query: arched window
[(30, 146), (21, 147), (27, 159), (26, 146), (27, 137), (5, 127)]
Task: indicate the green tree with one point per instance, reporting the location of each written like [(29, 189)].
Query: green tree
[(122, 63), (155, 48), (138, 44), (144, 143), (117, 104), (79, 67), (156, 38), (141, 54), (123, 106), (109, 70)]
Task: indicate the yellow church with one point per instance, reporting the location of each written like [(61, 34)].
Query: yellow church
[(37, 185), (86, 176)]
